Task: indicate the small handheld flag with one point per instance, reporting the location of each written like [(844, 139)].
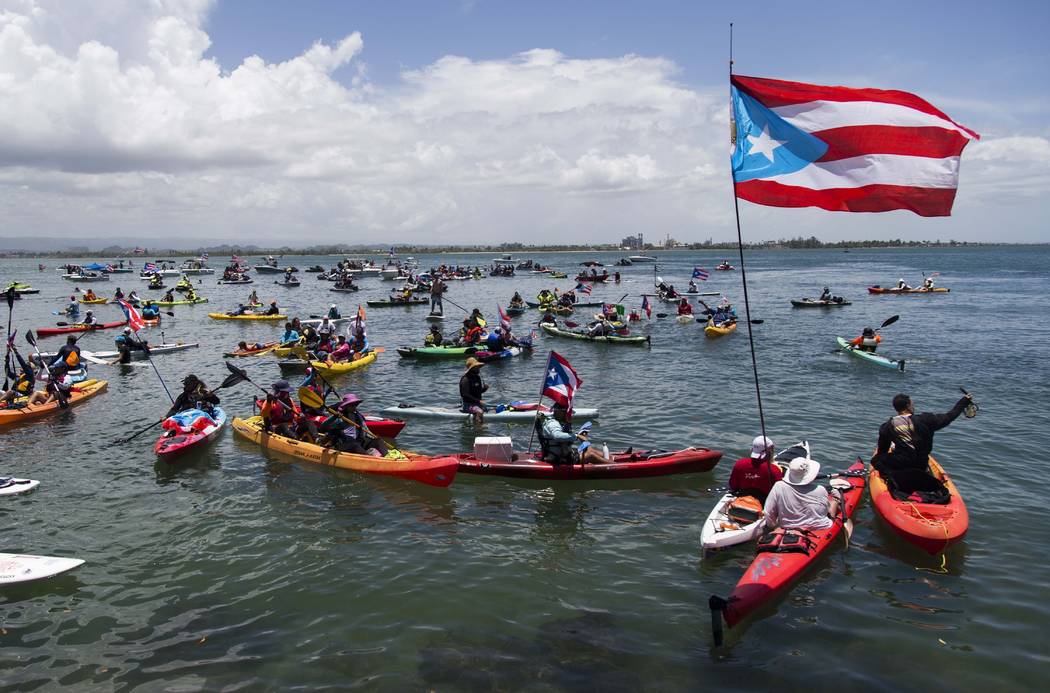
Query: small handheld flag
[(133, 317), (646, 307), (583, 288), (504, 319)]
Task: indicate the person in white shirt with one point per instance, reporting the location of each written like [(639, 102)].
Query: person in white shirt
[(796, 502)]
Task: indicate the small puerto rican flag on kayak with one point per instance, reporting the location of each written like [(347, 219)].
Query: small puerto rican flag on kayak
[(700, 273), (843, 149), (561, 381), (134, 318), (646, 307), (582, 288)]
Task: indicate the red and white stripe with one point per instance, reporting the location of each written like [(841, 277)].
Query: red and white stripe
[(887, 149)]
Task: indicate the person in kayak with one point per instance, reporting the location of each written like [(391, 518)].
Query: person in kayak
[(59, 388), (684, 308), (169, 296), (89, 295), (90, 320), (516, 301), (797, 502), (133, 297), (434, 337), (326, 327), (156, 282), (906, 440), (241, 309), (272, 310), (253, 298), (902, 285), (278, 411), (437, 287), (349, 432), (472, 389), (600, 327), (927, 283), (359, 344), (195, 395), (867, 341), (191, 295), (150, 311), (341, 352), (825, 295), (756, 474), (68, 356), (118, 294), (470, 334), (557, 439), (24, 382), (290, 335), (333, 312), (476, 318), (73, 309), (692, 288)]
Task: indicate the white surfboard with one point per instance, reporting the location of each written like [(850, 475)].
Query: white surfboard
[(15, 568), (10, 486)]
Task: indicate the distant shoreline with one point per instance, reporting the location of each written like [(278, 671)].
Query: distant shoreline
[(220, 253)]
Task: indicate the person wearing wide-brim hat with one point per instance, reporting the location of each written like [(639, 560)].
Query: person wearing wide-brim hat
[(798, 502), (471, 390), (349, 432), (278, 412)]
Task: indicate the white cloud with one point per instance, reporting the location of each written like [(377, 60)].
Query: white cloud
[(115, 121)]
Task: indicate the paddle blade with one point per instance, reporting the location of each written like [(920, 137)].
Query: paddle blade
[(231, 380), (237, 371), (890, 320), (10, 297), (30, 338), (309, 398)]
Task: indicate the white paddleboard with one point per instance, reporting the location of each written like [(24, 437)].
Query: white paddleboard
[(10, 486), (15, 568), (684, 319), (435, 318)]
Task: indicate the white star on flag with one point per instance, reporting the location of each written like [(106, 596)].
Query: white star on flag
[(764, 144)]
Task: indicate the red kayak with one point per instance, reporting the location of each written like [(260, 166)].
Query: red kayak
[(625, 465), (177, 440), (381, 426), (79, 327), (933, 527), (772, 573)]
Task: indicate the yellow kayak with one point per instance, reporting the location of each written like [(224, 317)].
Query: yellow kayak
[(248, 316), (283, 352), (719, 331), (82, 392), (343, 366), (94, 301)]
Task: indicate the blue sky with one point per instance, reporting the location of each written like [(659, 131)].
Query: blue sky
[(446, 121)]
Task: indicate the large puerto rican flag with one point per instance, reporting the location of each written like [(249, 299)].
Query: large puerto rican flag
[(561, 380), (134, 319), (843, 149)]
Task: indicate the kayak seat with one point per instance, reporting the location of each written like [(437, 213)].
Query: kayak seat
[(916, 486), (785, 541)]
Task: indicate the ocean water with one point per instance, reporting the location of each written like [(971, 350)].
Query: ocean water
[(244, 570)]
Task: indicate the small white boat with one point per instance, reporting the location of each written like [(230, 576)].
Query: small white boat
[(10, 486), (641, 258), (89, 277), (15, 568)]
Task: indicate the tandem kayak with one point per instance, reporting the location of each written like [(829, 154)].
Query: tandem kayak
[(93, 301), (816, 303), (79, 327), (932, 527), (722, 330), (435, 471), (877, 359), (725, 526), (380, 426), (625, 465), (20, 412), (185, 302), (893, 290), (556, 331), (252, 351), (772, 573), (441, 352), (340, 367), (515, 412), (188, 430), (247, 316)]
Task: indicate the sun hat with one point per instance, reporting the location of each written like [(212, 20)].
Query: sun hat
[(760, 446), (473, 363), (282, 386), (348, 399), (802, 471)]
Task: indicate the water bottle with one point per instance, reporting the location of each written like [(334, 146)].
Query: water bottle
[(605, 450)]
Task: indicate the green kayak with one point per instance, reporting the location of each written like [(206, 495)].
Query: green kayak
[(442, 352), (180, 303), (870, 357), (556, 331)]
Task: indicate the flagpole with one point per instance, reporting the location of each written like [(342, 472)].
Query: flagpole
[(740, 248), (539, 404)]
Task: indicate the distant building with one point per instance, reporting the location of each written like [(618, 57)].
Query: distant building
[(633, 243)]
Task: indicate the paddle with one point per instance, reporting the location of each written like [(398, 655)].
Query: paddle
[(842, 485), (10, 295), (313, 400), (231, 380), (59, 395)]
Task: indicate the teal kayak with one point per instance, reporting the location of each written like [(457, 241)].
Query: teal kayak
[(442, 352), (870, 357)]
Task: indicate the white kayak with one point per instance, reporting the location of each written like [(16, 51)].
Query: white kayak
[(719, 531), (136, 354), (10, 486), (504, 416), (684, 319), (314, 322), (15, 568), (435, 317)]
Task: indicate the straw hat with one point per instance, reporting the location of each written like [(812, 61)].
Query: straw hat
[(473, 363)]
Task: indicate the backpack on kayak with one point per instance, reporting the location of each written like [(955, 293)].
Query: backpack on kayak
[(744, 510)]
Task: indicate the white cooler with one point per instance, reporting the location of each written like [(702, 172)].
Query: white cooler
[(494, 449)]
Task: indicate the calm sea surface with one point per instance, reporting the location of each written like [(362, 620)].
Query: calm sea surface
[(240, 570)]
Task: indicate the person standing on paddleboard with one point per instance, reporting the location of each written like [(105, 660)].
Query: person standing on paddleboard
[(437, 287), (756, 474), (910, 436), (472, 389)]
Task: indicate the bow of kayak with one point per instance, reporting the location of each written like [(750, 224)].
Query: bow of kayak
[(10, 416), (177, 441), (933, 527), (869, 356)]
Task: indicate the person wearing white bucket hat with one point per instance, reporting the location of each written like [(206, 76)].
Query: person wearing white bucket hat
[(796, 502)]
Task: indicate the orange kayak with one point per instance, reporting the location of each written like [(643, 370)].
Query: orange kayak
[(930, 526), (82, 392)]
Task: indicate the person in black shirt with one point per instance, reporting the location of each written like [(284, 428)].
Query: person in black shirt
[(194, 395), (906, 440)]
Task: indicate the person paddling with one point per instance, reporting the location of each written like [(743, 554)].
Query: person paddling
[(684, 308), (349, 432), (272, 310), (24, 382), (437, 287), (434, 337), (58, 389), (290, 335), (68, 355), (906, 440), (472, 389), (333, 312), (195, 395), (825, 295), (278, 412), (867, 341), (756, 474)]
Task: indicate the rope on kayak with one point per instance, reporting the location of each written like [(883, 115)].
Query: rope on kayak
[(947, 540)]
